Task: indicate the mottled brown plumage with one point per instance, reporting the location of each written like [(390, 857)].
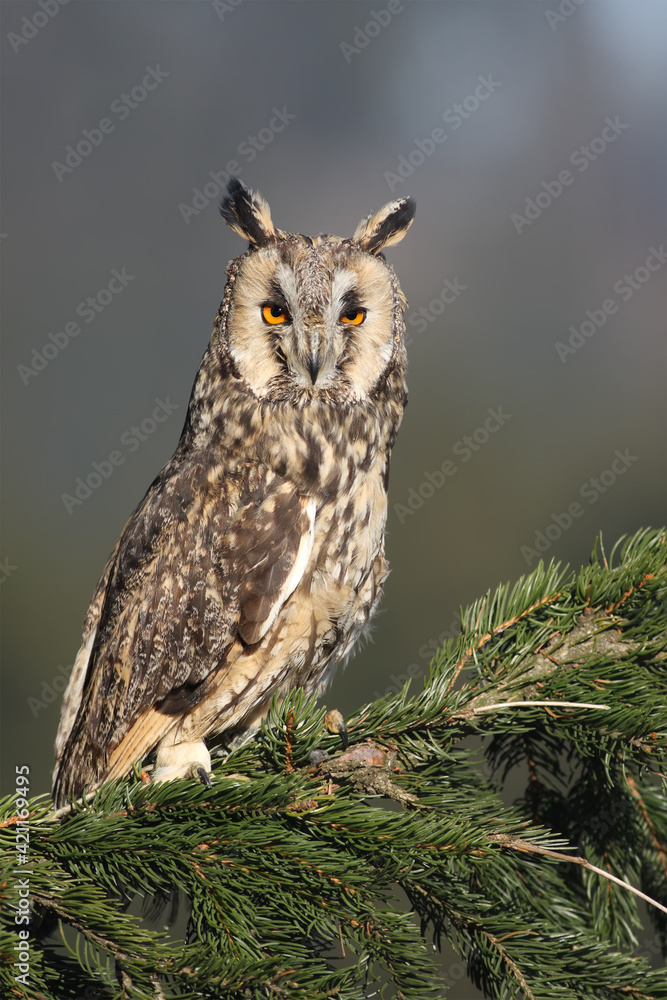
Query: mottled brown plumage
[(256, 557)]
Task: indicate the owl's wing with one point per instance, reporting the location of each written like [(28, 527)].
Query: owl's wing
[(192, 575), (72, 697)]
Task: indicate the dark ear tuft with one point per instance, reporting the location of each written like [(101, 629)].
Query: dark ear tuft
[(386, 227), (247, 213)]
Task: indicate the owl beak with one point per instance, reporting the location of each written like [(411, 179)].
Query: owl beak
[(314, 365), (311, 347)]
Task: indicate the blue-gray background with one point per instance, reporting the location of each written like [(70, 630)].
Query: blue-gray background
[(352, 113)]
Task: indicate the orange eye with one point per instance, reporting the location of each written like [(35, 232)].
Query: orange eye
[(355, 317), (274, 314)]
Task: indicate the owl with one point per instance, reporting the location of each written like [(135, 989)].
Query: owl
[(256, 557)]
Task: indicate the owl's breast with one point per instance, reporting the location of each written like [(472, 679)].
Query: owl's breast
[(349, 530), (326, 450), (339, 460), (343, 583)]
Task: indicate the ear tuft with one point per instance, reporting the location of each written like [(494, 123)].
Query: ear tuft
[(386, 227), (247, 213)]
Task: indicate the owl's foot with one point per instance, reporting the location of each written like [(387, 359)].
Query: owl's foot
[(238, 738), (204, 776), (182, 760), (335, 723)]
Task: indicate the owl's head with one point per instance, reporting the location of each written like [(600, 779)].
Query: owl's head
[(306, 316)]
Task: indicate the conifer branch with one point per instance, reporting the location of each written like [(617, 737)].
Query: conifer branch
[(561, 676), (660, 848), (529, 704), (513, 967), (523, 845)]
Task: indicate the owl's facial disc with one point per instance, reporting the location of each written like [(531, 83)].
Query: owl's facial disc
[(317, 318)]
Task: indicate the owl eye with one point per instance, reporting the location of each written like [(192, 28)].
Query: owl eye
[(354, 317), (274, 314)]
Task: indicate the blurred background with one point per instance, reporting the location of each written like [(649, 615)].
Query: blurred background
[(532, 136)]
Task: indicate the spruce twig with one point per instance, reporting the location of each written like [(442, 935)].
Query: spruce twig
[(562, 675), (523, 845)]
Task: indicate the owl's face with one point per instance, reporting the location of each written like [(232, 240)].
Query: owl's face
[(310, 316)]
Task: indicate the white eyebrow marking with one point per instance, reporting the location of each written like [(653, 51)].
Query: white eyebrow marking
[(343, 281), (286, 278)]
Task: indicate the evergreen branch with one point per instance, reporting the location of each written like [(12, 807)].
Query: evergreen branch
[(501, 627), (512, 966), (527, 704), (523, 845), (660, 848), (300, 832)]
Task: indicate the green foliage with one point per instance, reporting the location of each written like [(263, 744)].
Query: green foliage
[(296, 869)]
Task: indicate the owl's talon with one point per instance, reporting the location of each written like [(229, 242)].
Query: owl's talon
[(204, 776), (335, 723)]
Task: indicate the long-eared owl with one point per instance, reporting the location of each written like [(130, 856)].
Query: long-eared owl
[(256, 557)]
